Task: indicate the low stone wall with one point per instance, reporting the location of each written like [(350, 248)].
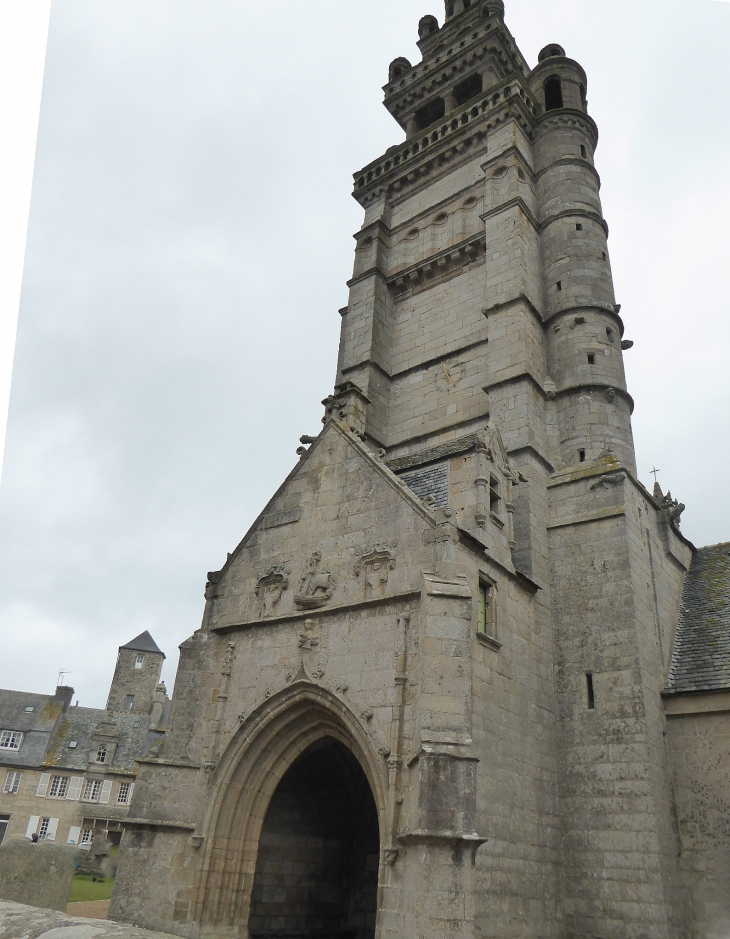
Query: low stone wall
[(39, 874), (19, 922)]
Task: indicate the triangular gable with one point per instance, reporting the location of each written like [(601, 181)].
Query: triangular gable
[(270, 517)]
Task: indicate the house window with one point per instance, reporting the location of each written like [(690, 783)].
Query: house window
[(487, 620), (59, 787), (43, 830), (12, 782), (10, 740), (4, 819), (101, 753), (125, 793), (129, 702), (92, 790), (29, 710), (139, 661), (86, 836)]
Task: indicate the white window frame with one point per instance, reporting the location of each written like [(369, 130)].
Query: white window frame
[(101, 753), (126, 788), (11, 739), (61, 784), (12, 782), (92, 790), (44, 828), (86, 835), (139, 661)]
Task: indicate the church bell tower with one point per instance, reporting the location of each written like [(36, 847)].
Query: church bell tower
[(425, 697)]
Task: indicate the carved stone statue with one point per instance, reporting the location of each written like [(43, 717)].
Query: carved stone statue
[(315, 587)]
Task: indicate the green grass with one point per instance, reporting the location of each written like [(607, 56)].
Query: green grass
[(84, 888)]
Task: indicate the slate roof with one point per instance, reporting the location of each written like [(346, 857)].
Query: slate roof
[(37, 725), (144, 643), (701, 656)]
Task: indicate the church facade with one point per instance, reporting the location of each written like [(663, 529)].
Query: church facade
[(440, 690)]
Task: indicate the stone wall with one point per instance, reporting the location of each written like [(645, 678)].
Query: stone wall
[(699, 734), (38, 874), (18, 921)]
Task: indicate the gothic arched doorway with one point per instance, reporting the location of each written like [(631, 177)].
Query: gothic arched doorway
[(317, 862)]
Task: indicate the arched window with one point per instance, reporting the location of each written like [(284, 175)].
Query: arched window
[(553, 94), (101, 753)]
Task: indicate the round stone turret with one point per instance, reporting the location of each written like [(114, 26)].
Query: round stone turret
[(584, 333)]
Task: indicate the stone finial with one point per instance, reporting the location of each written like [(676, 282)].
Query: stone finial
[(426, 27), (551, 51), (401, 65)]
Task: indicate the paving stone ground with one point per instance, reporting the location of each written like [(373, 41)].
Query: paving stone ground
[(29, 922), (94, 909)]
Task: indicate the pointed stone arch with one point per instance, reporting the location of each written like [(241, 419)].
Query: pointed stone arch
[(268, 743)]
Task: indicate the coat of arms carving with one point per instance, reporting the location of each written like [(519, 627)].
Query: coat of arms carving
[(374, 563), (270, 585)]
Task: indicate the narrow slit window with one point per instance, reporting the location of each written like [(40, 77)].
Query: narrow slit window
[(578, 226), (583, 152), (590, 693), (494, 497), (559, 285), (486, 622), (591, 358), (581, 456)]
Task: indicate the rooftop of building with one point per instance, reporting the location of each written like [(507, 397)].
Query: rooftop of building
[(701, 657), (143, 643)]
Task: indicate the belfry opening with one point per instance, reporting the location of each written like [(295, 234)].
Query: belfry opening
[(317, 862)]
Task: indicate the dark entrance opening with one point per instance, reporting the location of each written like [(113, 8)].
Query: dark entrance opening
[(553, 94), (317, 864)]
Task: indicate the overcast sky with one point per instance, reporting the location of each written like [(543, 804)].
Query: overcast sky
[(189, 243)]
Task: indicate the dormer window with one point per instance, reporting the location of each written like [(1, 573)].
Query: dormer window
[(494, 496), (101, 753), (10, 740), (139, 661)]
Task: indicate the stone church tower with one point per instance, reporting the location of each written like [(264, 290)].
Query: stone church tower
[(425, 701)]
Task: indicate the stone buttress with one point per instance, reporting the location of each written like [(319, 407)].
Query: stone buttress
[(462, 582)]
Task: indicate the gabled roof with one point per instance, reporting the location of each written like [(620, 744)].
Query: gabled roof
[(143, 643), (701, 656)]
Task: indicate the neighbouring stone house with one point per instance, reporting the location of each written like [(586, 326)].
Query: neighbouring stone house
[(66, 771), (440, 690)]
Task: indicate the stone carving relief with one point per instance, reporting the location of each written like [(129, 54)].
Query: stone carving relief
[(607, 481), (315, 586), (270, 585), (374, 563), (671, 509), (308, 640)]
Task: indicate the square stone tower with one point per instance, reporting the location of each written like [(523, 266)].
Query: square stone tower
[(425, 698)]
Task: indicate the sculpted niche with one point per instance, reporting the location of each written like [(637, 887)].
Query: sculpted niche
[(375, 561)]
